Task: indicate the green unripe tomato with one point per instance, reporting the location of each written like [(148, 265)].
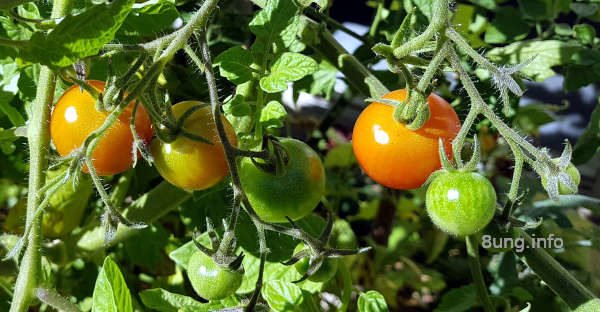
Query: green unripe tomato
[(460, 203), (211, 281), (325, 272), (294, 193), (572, 172)]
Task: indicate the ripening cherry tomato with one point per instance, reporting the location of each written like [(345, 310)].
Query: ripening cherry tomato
[(395, 156), (190, 164), (75, 116), (460, 203), (211, 281), (325, 272), (294, 193), (572, 172)]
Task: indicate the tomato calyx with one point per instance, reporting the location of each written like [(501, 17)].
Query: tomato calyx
[(558, 175), (277, 157), (223, 249), (169, 131), (317, 251)]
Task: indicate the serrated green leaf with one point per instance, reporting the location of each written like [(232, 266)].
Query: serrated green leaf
[(372, 301), (273, 115), (161, 300), (237, 106), (269, 23), (12, 113), (282, 296), (584, 9), (545, 55), (110, 292), (287, 68), (77, 36), (149, 19), (235, 64)]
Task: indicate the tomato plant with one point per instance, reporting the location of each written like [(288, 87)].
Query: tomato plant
[(460, 203), (189, 164), (75, 116), (306, 155), (396, 156)]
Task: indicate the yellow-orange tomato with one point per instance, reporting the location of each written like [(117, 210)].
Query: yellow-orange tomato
[(189, 164), (395, 156), (75, 116)]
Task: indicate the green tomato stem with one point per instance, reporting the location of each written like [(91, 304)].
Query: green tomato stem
[(475, 266), (439, 19), (554, 275), (39, 143), (147, 208)]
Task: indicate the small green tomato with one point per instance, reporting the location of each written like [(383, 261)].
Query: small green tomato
[(460, 203), (211, 281)]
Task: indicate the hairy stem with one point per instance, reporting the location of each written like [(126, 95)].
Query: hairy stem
[(438, 22), (39, 143), (475, 266)]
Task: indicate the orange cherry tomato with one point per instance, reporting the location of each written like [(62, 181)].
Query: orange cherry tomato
[(395, 156), (189, 164), (75, 116)]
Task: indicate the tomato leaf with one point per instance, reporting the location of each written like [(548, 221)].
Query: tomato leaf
[(282, 296), (372, 301), (111, 292), (545, 55), (273, 115), (287, 68), (77, 36), (149, 19), (164, 301), (235, 64)]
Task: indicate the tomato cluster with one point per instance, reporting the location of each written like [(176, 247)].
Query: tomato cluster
[(75, 117)]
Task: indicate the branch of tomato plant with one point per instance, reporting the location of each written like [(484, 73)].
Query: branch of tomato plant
[(231, 155), (563, 283), (439, 19), (39, 143)]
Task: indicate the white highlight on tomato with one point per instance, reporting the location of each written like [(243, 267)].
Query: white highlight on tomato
[(71, 114), (380, 136), (453, 194)]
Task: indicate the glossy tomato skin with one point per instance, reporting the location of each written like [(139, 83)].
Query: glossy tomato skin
[(460, 203), (75, 116), (295, 193), (189, 164), (211, 281), (325, 272), (395, 156)]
